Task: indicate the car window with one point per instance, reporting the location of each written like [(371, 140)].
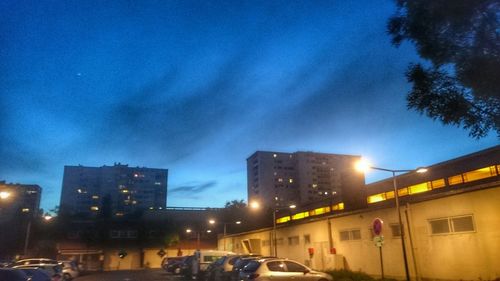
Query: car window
[(276, 266), (294, 267), (251, 266)]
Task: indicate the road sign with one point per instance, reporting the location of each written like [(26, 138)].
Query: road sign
[(377, 226), (378, 240), (161, 253)]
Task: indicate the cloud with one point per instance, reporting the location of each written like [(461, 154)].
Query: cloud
[(190, 189)]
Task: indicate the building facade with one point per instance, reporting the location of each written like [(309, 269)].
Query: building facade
[(276, 179), (449, 214), (116, 190), (19, 206)]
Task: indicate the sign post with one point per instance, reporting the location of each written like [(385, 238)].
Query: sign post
[(379, 240)]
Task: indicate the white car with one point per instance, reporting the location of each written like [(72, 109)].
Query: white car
[(70, 270)]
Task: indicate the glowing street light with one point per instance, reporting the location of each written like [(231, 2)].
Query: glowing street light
[(363, 166), (4, 195)]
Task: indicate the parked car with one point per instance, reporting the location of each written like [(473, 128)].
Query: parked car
[(202, 259), (12, 274), (222, 268), (36, 274), (70, 270), (239, 264), (173, 264), (52, 270), (278, 268), (34, 261), (187, 267)]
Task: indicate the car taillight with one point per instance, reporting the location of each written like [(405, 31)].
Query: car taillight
[(253, 276)]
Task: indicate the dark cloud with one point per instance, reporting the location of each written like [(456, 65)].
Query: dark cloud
[(192, 189)]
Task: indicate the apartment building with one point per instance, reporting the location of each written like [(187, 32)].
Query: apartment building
[(117, 190), (277, 179)]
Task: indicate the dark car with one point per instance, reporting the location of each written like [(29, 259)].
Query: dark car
[(36, 274), (11, 274), (187, 267), (173, 264), (239, 264)]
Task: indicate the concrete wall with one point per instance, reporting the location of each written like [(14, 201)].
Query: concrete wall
[(113, 262), (454, 256)]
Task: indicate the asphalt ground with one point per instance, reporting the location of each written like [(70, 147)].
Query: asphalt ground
[(131, 275)]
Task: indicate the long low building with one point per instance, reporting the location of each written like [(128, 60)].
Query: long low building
[(451, 219)]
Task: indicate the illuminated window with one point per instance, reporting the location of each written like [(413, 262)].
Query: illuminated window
[(290, 180), (134, 202), (419, 188), (402, 191), (157, 183), (314, 185), (25, 210), (319, 211), (479, 174), (376, 198), (280, 180), (95, 197), (455, 180), (151, 208), (275, 155), (389, 195), (283, 219), (438, 183), (300, 216), (125, 191), (119, 214), (338, 207), (94, 208)]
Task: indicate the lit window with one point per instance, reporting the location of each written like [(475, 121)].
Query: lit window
[(119, 214), (479, 174), (125, 191), (134, 202), (25, 210), (275, 155), (95, 197), (151, 208), (338, 207), (283, 219), (455, 180), (300, 216), (438, 183), (403, 191), (314, 185), (376, 198), (157, 183), (280, 180), (419, 188), (94, 208), (290, 180)]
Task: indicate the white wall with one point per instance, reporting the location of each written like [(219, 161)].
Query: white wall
[(458, 256)]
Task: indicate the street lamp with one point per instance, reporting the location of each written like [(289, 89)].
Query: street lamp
[(363, 165), (225, 227), (4, 195), (276, 209)]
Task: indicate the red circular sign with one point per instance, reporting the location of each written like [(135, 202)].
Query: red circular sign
[(377, 226)]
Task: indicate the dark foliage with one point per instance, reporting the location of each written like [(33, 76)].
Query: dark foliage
[(461, 40)]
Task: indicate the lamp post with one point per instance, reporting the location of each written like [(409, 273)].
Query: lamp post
[(225, 230), (364, 166), (276, 209)]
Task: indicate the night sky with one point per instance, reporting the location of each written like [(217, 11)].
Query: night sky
[(198, 86)]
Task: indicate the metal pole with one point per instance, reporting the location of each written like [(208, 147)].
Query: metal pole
[(412, 248), (396, 196), (198, 240), (27, 238), (224, 236), (274, 234), (381, 262)]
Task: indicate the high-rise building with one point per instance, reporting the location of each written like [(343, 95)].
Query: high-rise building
[(19, 199), (114, 191), (300, 178)]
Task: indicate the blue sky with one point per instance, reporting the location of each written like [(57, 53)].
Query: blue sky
[(198, 86)]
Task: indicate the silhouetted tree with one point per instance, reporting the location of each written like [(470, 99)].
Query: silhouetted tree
[(461, 40)]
